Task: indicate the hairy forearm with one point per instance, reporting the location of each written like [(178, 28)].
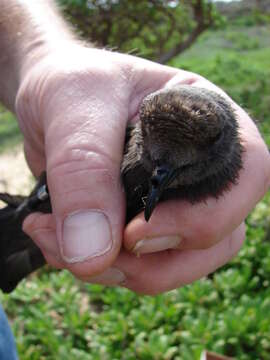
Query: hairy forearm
[(28, 31)]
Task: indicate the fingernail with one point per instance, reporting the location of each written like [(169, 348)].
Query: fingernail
[(156, 244), (86, 234), (111, 276)]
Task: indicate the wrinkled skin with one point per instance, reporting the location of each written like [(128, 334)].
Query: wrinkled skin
[(73, 107)]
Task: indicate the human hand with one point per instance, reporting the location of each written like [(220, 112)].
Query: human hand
[(73, 107)]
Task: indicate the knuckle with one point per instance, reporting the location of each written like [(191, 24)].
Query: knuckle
[(78, 167), (81, 151), (84, 181), (76, 78)]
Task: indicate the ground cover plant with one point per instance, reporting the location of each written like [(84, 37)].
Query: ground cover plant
[(9, 131), (55, 316)]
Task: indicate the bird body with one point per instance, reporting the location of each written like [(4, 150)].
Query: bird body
[(185, 145)]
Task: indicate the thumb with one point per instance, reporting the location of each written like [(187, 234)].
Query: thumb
[(83, 157)]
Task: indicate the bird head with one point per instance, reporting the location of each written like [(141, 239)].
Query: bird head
[(189, 134)]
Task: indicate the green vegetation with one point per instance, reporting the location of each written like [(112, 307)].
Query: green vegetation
[(9, 131), (56, 317), (158, 29)]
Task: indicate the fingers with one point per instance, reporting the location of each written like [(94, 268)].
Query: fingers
[(148, 274), (155, 273)]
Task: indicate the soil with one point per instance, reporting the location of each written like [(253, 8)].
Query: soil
[(15, 177)]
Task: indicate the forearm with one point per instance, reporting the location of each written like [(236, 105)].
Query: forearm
[(28, 31)]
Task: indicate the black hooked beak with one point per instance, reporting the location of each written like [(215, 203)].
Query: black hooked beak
[(162, 177)]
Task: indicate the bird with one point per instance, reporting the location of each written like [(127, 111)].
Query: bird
[(185, 145)]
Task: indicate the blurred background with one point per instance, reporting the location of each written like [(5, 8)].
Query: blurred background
[(55, 316)]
